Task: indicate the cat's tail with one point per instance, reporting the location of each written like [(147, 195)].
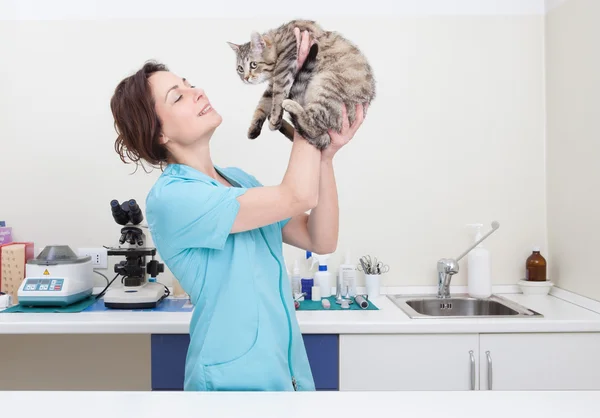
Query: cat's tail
[(287, 129)]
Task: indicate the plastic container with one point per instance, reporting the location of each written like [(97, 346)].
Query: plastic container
[(322, 276), (296, 280), (307, 285), (479, 268), (373, 284), (347, 273), (535, 267), (535, 288), (178, 291)]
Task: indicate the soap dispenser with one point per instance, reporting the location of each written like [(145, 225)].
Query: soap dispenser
[(479, 276)]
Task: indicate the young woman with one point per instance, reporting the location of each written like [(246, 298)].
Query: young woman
[(221, 232)]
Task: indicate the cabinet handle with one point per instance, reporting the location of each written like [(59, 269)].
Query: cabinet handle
[(472, 370), (489, 360)]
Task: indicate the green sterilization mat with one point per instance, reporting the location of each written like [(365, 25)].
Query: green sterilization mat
[(309, 305), (75, 307)]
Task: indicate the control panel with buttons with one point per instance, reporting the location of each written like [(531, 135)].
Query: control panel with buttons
[(49, 285)]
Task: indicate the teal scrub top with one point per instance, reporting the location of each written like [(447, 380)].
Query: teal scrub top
[(244, 334)]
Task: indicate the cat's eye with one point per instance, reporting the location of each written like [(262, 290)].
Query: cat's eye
[(240, 69), (253, 65)]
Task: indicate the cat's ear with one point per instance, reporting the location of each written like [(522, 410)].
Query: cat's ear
[(258, 42), (233, 46)]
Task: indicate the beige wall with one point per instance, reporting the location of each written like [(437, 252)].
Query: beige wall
[(573, 144), (75, 362)]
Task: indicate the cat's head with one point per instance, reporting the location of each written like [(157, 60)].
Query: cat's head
[(254, 59)]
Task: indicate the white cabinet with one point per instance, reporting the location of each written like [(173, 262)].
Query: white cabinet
[(519, 361), (561, 361), (409, 362)]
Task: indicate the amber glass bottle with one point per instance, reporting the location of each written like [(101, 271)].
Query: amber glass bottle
[(535, 267)]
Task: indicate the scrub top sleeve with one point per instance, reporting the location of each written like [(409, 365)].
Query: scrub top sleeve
[(198, 215), (284, 222), (253, 180)]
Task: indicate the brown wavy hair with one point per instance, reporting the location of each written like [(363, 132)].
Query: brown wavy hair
[(135, 120)]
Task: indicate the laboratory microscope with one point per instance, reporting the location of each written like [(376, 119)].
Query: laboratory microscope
[(140, 289)]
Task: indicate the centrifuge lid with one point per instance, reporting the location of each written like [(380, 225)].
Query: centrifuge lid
[(58, 254)]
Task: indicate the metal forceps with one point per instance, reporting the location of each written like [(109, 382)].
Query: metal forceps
[(366, 265)]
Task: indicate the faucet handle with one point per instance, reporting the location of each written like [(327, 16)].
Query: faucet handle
[(447, 266)]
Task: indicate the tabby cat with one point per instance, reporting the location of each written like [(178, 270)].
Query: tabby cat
[(334, 72)]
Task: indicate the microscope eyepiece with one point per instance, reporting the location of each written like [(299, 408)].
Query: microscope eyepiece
[(119, 215), (128, 211), (135, 213)]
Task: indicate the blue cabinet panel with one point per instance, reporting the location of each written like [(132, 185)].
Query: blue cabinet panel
[(168, 353), (323, 353)]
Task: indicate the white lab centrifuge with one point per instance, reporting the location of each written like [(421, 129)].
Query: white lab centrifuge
[(56, 277)]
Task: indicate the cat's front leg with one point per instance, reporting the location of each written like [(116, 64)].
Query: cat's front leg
[(260, 113), (282, 84)]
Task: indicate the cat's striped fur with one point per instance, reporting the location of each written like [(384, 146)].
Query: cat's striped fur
[(334, 72)]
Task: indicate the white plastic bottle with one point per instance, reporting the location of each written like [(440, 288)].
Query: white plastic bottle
[(348, 277), (479, 277), (322, 276), (296, 280)]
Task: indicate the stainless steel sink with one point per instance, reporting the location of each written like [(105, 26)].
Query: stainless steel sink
[(461, 306)]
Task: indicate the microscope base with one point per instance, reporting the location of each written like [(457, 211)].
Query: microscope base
[(146, 296)]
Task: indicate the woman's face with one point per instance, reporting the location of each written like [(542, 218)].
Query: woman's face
[(184, 110)]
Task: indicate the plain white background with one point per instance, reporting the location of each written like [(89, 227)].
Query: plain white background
[(455, 136)]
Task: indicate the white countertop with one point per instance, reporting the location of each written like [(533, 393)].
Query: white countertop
[(463, 404), (563, 312)]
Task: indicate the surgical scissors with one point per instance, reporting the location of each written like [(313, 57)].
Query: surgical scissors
[(382, 268), (370, 265)]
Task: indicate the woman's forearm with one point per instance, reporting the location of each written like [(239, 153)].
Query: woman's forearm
[(323, 221), (302, 175)]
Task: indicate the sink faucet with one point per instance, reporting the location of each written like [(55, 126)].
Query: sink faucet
[(447, 267)]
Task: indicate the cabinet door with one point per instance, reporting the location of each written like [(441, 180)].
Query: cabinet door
[(322, 352), (409, 362), (169, 351), (555, 361)]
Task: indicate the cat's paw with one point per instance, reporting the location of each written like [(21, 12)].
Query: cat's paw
[(292, 107), (275, 126), (255, 128), (253, 132)]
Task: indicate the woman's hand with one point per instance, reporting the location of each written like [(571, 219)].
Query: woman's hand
[(303, 44), (339, 139)]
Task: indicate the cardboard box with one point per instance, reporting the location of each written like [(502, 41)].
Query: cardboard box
[(13, 260)]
